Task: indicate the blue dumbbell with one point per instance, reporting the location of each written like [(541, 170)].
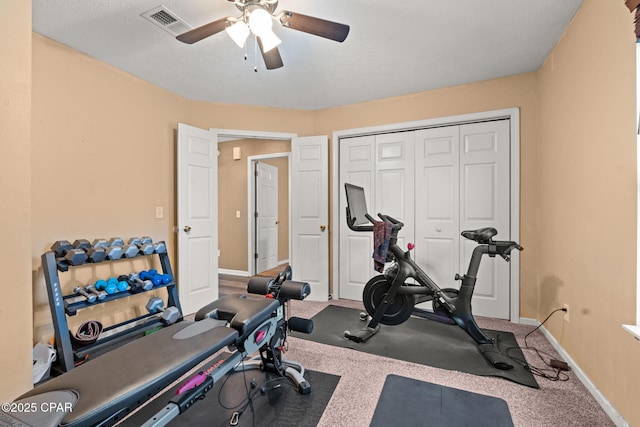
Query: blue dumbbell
[(122, 285), (151, 275), (108, 287), (155, 277)]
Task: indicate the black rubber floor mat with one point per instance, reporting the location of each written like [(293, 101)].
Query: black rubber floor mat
[(279, 404), (409, 402), (421, 341)]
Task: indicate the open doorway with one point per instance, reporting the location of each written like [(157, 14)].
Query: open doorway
[(269, 207), (237, 196)]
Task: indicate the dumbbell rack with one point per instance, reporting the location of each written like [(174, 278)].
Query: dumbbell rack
[(68, 305)]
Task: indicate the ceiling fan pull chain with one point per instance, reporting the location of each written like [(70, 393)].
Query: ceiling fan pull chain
[(255, 54)]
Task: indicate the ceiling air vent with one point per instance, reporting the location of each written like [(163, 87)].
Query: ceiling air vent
[(167, 20)]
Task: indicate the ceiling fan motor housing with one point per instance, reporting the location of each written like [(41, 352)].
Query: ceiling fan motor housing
[(268, 5)]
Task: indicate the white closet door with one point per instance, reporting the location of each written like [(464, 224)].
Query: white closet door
[(383, 166), (439, 182), (462, 183), (438, 203), (395, 181), (485, 202), (357, 168)]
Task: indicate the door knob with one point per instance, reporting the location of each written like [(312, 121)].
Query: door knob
[(323, 227), (187, 229)]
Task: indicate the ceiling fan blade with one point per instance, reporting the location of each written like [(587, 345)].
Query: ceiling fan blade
[(272, 58), (316, 26), (205, 31)]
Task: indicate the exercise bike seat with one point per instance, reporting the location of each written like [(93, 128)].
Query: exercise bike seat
[(481, 235)]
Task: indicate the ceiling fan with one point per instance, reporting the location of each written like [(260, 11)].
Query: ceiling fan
[(257, 17)]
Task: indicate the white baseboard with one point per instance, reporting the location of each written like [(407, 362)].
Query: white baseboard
[(233, 272), (606, 405)]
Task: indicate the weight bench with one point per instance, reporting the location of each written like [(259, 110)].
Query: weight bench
[(104, 390)]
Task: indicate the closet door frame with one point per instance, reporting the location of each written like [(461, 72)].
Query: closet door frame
[(513, 114)]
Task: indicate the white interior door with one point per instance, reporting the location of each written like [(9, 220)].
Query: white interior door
[(266, 216), (309, 255), (485, 202), (197, 218)]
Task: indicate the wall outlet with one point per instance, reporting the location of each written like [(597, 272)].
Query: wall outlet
[(566, 313)]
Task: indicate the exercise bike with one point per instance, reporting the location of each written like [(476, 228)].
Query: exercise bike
[(390, 300)]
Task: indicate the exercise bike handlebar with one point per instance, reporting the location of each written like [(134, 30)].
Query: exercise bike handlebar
[(503, 248), (395, 224)]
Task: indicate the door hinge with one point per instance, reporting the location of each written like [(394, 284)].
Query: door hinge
[(255, 214), (255, 256)]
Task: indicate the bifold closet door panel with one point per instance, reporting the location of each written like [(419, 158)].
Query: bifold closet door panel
[(357, 156), (485, 202), (437, 201), (395, 181)]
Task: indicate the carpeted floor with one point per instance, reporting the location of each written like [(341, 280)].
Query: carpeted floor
[(559, 403), (362, 376)]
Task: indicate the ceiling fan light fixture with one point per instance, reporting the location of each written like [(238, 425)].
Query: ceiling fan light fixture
[(269, 41), (257, 18), (260, 22), (238, 32)]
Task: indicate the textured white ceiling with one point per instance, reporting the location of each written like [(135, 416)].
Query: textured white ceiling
[(394, 47)]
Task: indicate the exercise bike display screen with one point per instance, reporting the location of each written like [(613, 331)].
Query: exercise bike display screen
[(357, 204)]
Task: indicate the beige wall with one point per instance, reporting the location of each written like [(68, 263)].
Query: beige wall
[(587, 197), (578, 190), (15, 198), (102, 160), (245, 117), (232, 197)]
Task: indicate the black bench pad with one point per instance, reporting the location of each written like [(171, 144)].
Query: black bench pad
[(119, 381), (244, 313)]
